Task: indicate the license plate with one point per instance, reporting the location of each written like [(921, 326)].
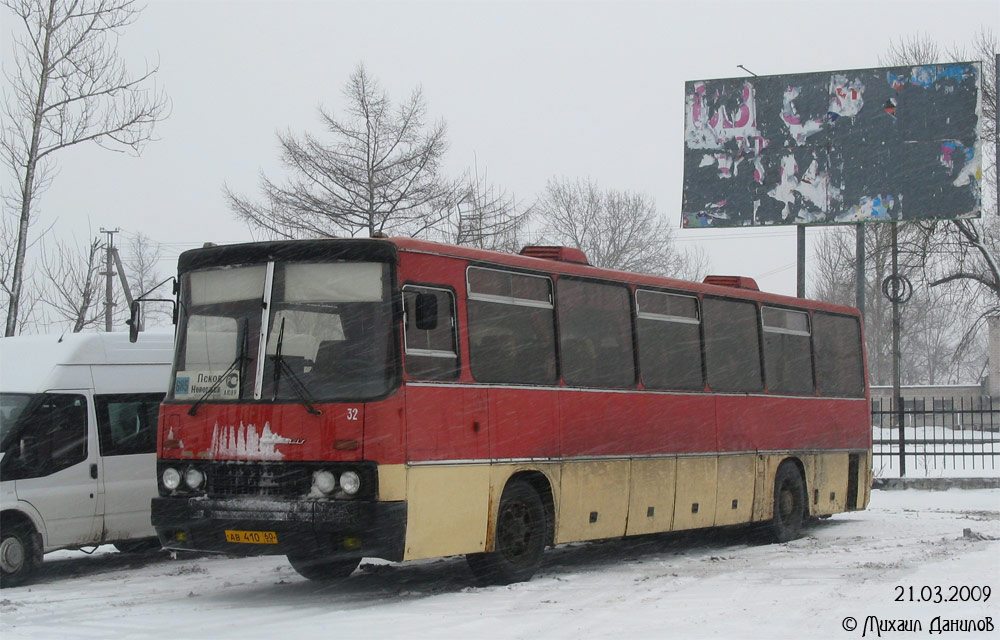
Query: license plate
[(252, 537)]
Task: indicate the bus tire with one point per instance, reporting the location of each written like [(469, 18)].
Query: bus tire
[(320, 568), (789, 504), (519, 538), (18, 559)]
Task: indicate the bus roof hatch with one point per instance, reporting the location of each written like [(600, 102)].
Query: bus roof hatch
[(738, 282), (561, 254)]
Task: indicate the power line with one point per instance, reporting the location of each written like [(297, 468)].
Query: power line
[(710, 238)]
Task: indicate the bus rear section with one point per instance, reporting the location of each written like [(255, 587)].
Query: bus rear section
[(404, 399)]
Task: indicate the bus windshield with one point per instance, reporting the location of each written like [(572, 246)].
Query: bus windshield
[(328, 329)]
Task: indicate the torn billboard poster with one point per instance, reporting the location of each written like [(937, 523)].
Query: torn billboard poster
[(886, 144)]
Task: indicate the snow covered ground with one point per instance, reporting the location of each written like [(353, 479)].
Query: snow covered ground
[(691, 585)]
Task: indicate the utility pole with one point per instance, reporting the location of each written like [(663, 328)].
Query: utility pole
[(898, 289), (897, 396), (109, 275)]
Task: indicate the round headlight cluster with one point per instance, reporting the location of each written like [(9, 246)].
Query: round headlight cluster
[(171, 478), (193, 479), (350, 482), (326, 482)]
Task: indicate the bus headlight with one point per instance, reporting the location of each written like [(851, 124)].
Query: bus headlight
[(171, 478), (193, 478), (350, 482), (325, 482)]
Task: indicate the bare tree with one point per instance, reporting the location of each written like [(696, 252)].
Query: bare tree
[(74, 282), (912, 49), (485, 216), (74, 287), (935, 321), (833, 281), (67, 86), (30, 296), (377, 173), (694, 266), (616, 229), (139, 260)]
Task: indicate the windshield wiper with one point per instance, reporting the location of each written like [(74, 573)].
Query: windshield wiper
[(280, 365), (240, 361)]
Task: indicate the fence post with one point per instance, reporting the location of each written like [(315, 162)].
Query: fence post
[(902, 435)]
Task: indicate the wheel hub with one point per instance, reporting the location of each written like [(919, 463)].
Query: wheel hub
[(786, 504), (515, 530), (12, 555)]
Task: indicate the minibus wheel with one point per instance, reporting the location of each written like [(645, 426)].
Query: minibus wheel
[(519, 538), (17, 557), (320, 568), (789, 503)]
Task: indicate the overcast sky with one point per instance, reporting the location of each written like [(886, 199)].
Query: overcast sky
[(529, 90)]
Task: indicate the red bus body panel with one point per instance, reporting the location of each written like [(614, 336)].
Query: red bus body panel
[(464, 420)]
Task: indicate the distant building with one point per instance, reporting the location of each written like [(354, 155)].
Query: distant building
[(951, 405)]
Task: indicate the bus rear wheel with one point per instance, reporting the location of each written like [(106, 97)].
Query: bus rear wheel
[(320, 568), (789, 504), (519, 538)]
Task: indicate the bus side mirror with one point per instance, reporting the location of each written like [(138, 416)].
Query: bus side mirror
[(427, 311), (135, 319)]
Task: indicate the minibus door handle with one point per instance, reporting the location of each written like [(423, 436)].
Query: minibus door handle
[(93, 471)]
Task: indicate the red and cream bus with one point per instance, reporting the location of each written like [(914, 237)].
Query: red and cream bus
[(404, 399)]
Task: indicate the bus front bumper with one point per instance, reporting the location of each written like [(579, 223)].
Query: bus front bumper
[(262, 526)]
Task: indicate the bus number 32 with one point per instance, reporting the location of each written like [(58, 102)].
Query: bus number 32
[(352, 414)]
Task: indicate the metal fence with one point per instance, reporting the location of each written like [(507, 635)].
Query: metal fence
[(936, 435)]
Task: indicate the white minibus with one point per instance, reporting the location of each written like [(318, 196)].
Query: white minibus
[(77, 444)]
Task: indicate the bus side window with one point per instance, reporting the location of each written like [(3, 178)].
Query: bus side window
[(787, 351), (837, 341), (595, 334), (511, 327), (732, 345), (669, 328), (431, 352)]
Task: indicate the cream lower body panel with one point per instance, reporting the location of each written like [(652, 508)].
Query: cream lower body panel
[(452, 507)]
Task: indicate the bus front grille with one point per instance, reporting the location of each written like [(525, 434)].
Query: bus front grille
[(258, 479)]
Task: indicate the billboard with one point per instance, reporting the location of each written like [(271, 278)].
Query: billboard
[(885, 144)]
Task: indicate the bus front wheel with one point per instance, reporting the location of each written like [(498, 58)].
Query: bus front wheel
[(519, 538), (789, 503), (313, 568)]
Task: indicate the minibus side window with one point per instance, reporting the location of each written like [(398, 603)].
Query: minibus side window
[(54, 436), (127, 422)]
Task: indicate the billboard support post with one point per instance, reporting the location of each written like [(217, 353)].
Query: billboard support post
[(859, 270), (800, 275), (896, 393)]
